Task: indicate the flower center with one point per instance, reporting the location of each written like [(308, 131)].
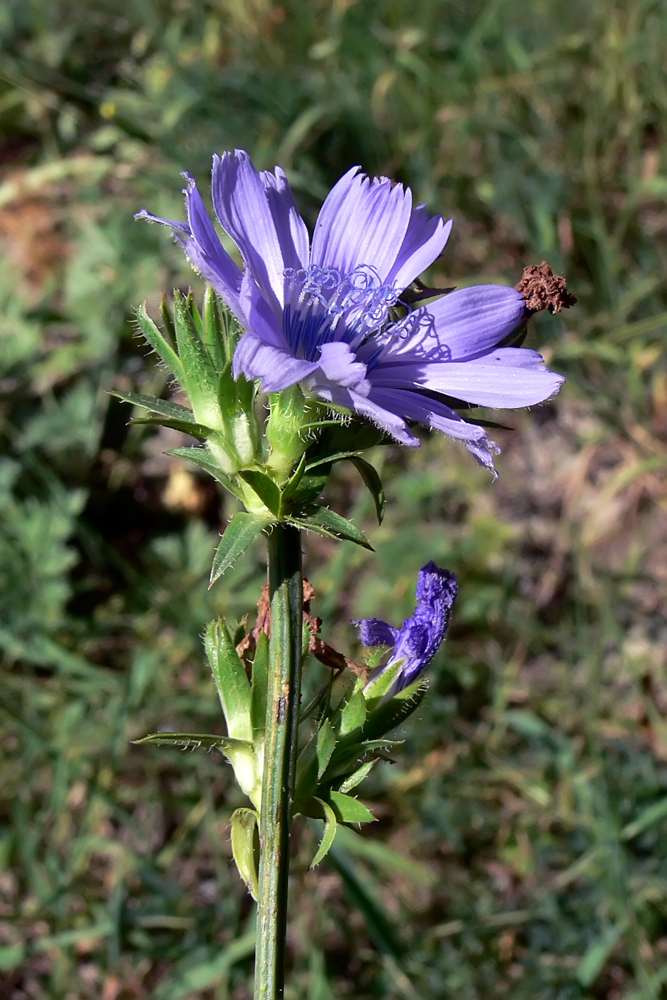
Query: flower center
[(323, 305)]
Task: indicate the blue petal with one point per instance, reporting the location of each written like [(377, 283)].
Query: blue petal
[(290, 228), (277, 369), (502, 380), (362, 222), (374, 632), (457, 326), (206, 252), (242, 206), (424, 241), (421, 635)]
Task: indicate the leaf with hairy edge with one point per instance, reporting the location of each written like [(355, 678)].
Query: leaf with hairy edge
[(259, 685), (330, 459), (308, 489), (203, 459), (326, 742), (193, 741), (348, 758), (396, 710), (358, 776), (373, 484), (230, 679), (245, 846), (329, 835), (265, 488), (241, 530), (164, 407), (327, 522), (199, 370), (194, 430), (214, 334), (350, 810), (163, 349), (378, 687), (293, 483), (353, 715)]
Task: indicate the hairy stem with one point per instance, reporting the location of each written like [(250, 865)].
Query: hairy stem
[(282, 716)]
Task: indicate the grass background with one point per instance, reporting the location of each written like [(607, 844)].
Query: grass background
[(521, 843)]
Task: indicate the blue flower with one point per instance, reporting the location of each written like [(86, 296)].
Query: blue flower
[(417, 641), (321, 312)]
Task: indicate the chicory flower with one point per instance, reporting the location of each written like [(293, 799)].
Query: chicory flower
[(328, 314), (415, 644)]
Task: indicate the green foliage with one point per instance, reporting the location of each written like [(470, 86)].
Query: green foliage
[(521, 838)]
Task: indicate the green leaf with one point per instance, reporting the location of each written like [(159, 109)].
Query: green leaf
[(293, 483), (198, 368), (329, 835), (195, 430), (245, 846), (259, 685), (162, 406), (596, 955), (265, 488), (230, 679), (353, 714), (373, 483), (309, 488), (326, 742), (241, 530), (330, 459), (159, 344), (202, 458), (215, 330), (327, 522), (396, 710), (358, 776), (348, 758), (350, 810), (193, 741), (377, 688), (202, 970), (381, 926)]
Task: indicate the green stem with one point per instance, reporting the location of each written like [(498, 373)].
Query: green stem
[(282, 718)]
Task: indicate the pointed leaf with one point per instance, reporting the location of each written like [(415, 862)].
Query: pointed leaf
[(164, 407), (309, 488), (327, 522), (353, 714), (200, 373), (350, 810), (326, 741), (239, 533), (230, 679), (159, 344), (329, 835), (202, 458), (194, 430), (347, 758), (293, 483), (330, 459), (193, 741), (265, 488), (245, 846), (259, 687), (215, 330), (373, 483), (392, 713), (378, 687), (358, 776)]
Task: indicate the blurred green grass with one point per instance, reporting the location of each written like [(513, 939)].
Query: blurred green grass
[(521, 842)]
